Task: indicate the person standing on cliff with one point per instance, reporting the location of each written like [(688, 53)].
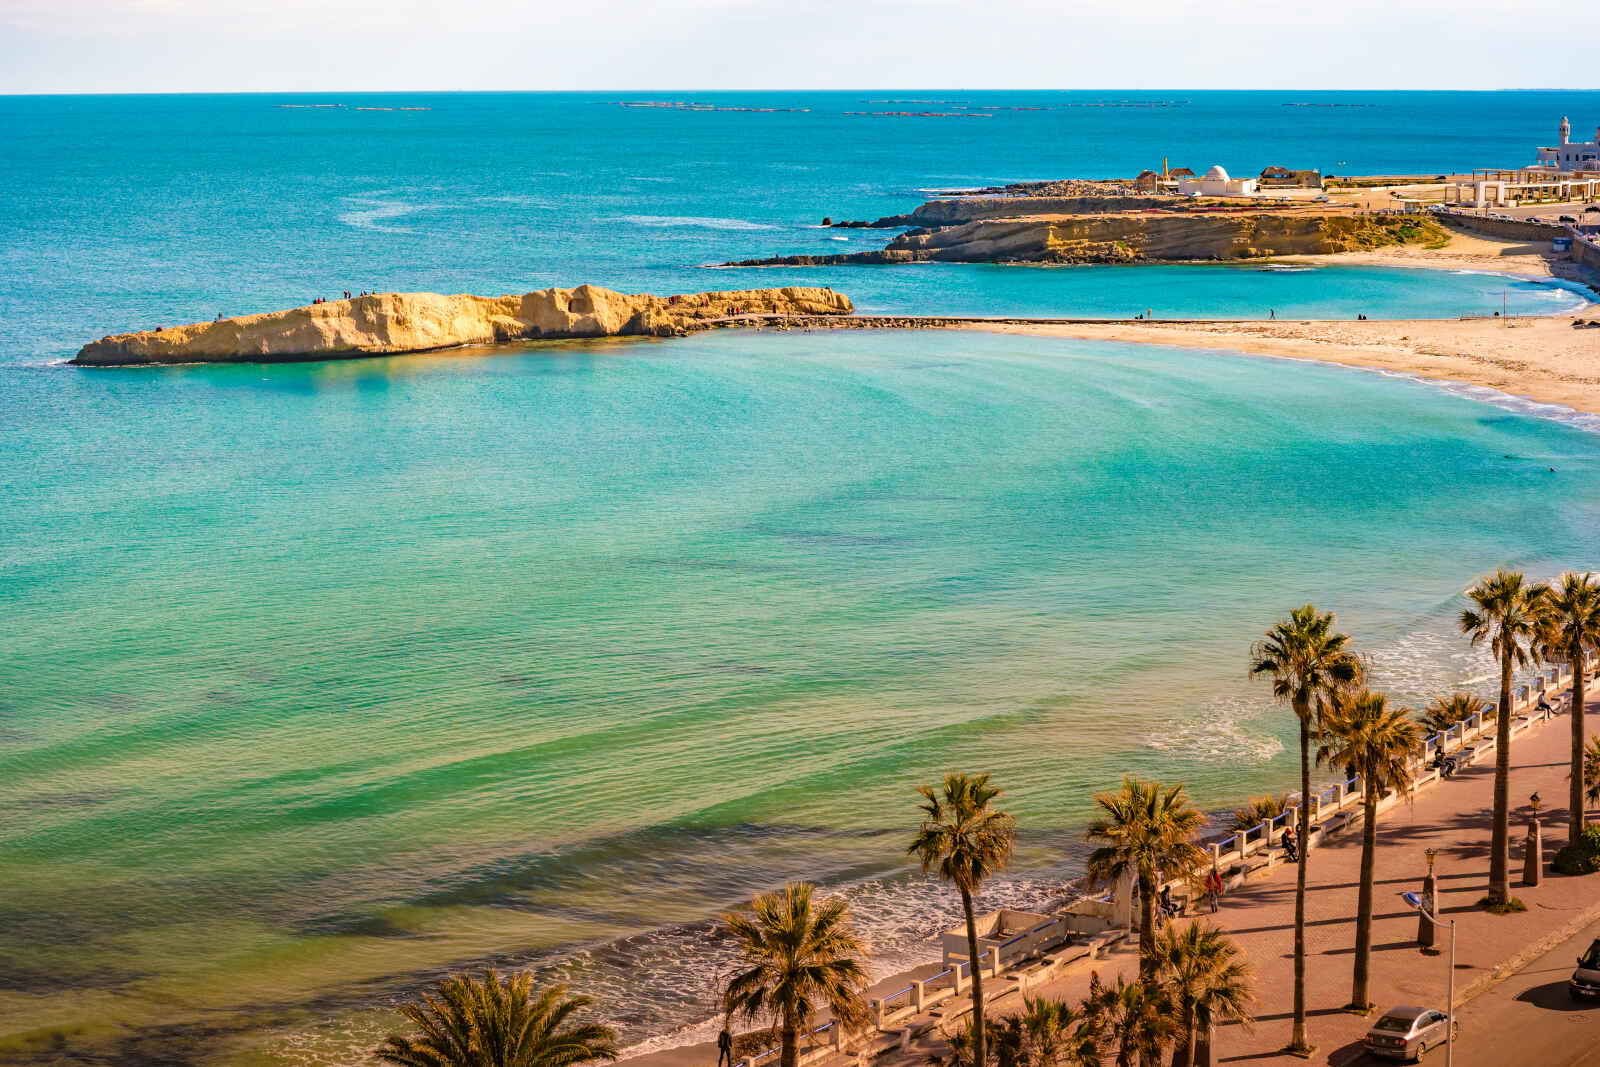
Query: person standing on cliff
[(724, 1048)]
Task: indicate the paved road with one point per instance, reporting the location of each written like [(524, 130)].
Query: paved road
[(1529, 1019)]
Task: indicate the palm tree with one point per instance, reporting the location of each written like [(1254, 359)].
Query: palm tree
[(1571, 628), (1133, 1019), (1308, 662), (497, 1022), (797, 957), (1145, 829), (1208, 982), (1362, 730), (1506, 616), (969, 841), (1048, 1033), (1258, 810), (1445, 712)]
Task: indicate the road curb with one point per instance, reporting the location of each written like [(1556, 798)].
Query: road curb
[(1506, 968)]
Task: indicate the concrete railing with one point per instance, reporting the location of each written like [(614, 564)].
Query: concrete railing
[(1232, 854)]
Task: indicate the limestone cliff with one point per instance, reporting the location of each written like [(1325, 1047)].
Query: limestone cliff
[(1141, 238), (390, 323)]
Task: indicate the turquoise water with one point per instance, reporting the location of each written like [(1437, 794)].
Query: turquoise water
[(317, 681), (325, 677)]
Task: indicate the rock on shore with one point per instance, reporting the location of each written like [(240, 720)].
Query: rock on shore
[(1130, 238), (392, 323)]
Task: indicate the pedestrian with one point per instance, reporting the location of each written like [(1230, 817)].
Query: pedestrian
[(1214, 888), (724, 1048), (1272, 313), (1291, 852)]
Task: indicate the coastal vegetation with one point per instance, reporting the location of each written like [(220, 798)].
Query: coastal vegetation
[(497, 1022), (1207, 981), (1361, 730), (1507, 617), (1445, 711), (1145, 831), (1309, 664), (1570, 631), (1257, 810), (797, 957), (967, 840)]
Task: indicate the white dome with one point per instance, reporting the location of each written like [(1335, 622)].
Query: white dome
[(1216, 174)]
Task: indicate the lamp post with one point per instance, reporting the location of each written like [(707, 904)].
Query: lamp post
[(1533, 852), (1450, 997), (1425, 932)]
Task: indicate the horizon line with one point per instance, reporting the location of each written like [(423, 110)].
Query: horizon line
[(859, 89)]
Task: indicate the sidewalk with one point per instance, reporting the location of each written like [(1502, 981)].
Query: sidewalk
[(1451, 816)]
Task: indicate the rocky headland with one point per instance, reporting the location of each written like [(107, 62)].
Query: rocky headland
[(1112, 222), (1123, 238), (392, 323)]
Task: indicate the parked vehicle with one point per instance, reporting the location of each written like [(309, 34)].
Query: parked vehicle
[(1407, 1033), (1585, 981), (1568, 218)]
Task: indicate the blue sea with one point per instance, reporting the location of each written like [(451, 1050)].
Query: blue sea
[(319, 681)]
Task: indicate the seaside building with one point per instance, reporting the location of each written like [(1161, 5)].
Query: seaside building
[(1285, 178), (1217, 183), (1567, 171), (1571, 155)]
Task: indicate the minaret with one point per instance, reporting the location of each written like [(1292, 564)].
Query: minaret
[(1566, 130)]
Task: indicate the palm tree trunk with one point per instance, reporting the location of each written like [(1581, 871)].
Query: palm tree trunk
[(1203, 1047), (1147, 930), (1297, 1038), (977, 980), (1575, 787), (1500, 836), (1183, 1055), (790, 1037), (1359, 998)]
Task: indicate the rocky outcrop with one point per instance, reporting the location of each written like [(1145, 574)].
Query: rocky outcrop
[(954, 211), (1127, 238), (391, 323)]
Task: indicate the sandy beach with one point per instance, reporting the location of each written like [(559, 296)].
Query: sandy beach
[(1548, 359)]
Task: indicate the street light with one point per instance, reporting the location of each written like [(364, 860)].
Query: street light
[(1415, 900)]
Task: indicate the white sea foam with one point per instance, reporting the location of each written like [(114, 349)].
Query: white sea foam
[(695, 222), (1223, 731), (1521, 405)]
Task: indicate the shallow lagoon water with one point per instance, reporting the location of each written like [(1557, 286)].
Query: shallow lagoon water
[(324, 678)]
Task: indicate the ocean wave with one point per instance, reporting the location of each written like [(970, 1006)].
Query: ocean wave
[(696, 222), (1222, 732), (898, 918), (1521, 405)]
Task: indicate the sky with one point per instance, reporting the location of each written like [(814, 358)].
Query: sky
[(318, 45)]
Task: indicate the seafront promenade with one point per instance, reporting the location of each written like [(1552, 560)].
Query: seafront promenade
[(1451, 816)]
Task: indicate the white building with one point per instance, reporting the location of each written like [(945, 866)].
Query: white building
[(1217, 183), (1570, 154)]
